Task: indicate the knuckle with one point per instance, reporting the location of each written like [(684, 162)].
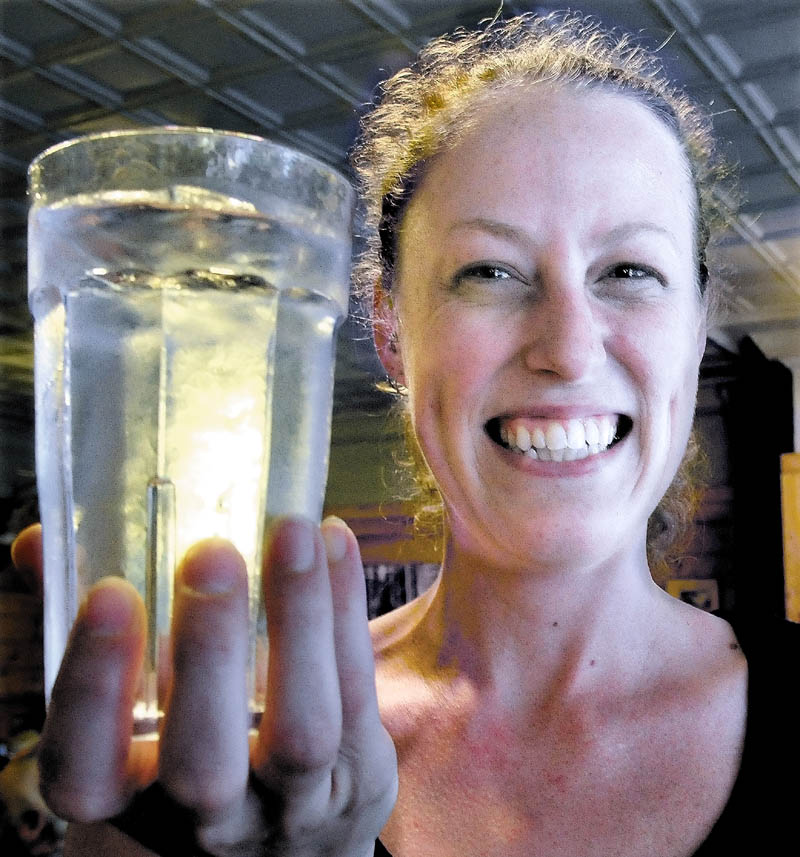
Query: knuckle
[(360, 697), (74, 798), (293, 824), (207, 794), (296, 759), (303, 743), (209, 641), (76, 805), (189, 653), (376, 778), (204, 783)]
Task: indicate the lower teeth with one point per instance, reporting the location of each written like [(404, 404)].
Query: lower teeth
[(545, 454)]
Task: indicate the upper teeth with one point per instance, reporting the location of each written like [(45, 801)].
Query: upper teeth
[(570, 439)]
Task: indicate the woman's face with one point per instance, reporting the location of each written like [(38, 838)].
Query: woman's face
[(545, 302)]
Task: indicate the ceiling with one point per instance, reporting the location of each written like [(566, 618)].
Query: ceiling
[(301, 71)]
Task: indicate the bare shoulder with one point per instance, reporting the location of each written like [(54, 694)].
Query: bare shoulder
[(705, 668), (397, 633), (408, 693), (710, 638)]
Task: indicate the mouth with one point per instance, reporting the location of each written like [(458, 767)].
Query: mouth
[(559, 440)]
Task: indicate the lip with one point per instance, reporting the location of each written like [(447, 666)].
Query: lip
[(561, 412)]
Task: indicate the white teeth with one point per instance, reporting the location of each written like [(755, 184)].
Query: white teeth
[(523, 438), (556, 437), (538, 439), (555, 441), (607, 430), (576, 436)]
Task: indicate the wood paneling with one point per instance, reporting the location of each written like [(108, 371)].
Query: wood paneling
[(790, 501), (386, 533)]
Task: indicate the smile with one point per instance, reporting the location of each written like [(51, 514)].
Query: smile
[(559, 440)]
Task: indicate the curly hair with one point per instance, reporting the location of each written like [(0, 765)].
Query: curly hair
[(424, 108)]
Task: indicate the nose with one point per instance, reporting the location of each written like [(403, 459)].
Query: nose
[(566, 335)]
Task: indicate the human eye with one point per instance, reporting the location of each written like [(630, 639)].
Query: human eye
[(483, 275), (629, 280), (634, 272)]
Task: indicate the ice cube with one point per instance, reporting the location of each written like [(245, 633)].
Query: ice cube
[(200, 197)]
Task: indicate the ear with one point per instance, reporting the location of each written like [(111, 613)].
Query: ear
[(702, 330), (385, 332)]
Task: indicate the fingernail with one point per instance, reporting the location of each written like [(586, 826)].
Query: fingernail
[(334, 534), (211, 567), (108, 610), (22, 546), (295, 546), (15, 558)]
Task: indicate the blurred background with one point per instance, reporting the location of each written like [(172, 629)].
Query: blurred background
[(301, 72)]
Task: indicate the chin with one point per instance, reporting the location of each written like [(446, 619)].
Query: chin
[(553, 541)]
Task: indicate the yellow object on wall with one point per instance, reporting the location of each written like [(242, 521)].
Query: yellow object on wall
[(790, 503)]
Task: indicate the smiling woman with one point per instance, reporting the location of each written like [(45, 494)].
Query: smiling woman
[(509, 309), (539, 203), (461, 80)]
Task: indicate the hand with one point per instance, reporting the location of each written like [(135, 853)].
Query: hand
[(321, 776)]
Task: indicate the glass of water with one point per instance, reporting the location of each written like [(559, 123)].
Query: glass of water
[(186, 287)]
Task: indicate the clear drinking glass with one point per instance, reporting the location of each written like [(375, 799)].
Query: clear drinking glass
[(186, 287)]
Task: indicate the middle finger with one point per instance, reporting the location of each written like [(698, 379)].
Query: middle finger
[(204, 749), (301, 728)]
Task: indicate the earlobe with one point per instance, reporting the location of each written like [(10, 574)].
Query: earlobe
[(702, 335), (385, 325)]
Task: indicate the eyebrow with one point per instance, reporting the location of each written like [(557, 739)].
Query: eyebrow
[(628, 230), (494, 227), (513, 233)]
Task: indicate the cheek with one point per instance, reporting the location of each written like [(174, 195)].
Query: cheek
[(684, 343), (452, 349), (663, 363), (678, 394), (668, 342)]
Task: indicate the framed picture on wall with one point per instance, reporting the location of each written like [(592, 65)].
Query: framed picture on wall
[(702, 593)]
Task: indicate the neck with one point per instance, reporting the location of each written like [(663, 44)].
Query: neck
[(542, 633)]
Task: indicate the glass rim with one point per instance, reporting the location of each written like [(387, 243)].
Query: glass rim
[(175, 130)]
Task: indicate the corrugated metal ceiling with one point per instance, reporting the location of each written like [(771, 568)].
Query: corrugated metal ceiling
[(300, 71)]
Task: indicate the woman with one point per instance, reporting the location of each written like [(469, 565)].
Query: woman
[(541, 202)]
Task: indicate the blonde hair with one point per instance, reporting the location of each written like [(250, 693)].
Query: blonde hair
[(424, 108)]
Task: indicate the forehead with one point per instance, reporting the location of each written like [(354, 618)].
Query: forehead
[(590, 154)]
